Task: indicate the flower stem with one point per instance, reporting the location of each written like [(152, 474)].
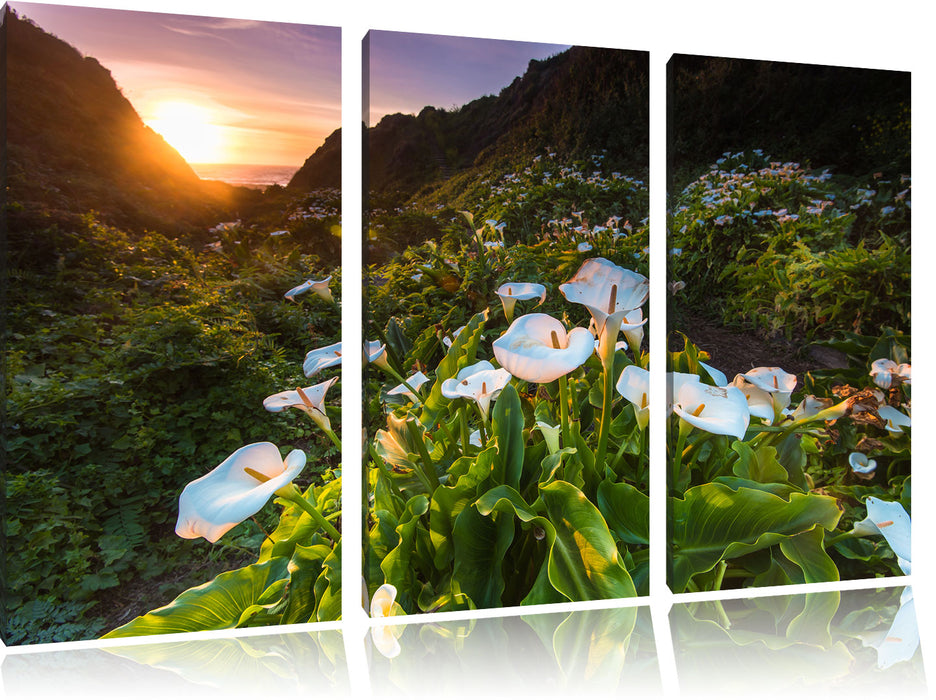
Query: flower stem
[(292, 493), (564, 411), (676, 467), (604, 427)]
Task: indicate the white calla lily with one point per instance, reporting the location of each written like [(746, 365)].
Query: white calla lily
[(674, 382), (375, 353), (861, 464), (235, 489), (512, 292), (310, 399), (884, 372), (760, 403), (894, 420), (480, 382), (415, 381), (775, 382), (321, 358), (714, 409), (889, 519), (384, 605), (634, 385), (537, 348), (609, 292), (319, 287)]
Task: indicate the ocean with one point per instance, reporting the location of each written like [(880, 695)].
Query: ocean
[(256, 176)]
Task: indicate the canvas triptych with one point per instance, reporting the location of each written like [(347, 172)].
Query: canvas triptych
[(173, 329)]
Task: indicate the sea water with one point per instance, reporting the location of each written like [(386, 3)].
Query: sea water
[(245, 175)]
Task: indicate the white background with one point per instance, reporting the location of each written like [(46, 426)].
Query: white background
[(895, 36)]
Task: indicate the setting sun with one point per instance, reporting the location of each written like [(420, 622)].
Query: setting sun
[(189, 129)]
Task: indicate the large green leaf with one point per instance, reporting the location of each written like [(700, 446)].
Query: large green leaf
[(304, 568), (449, 501), (758, 465), (807, 552), (216, 605), (584, 563), (460, 355), (480, 544), (507, 420), (626, 510), (328, 588), (397, 566), (714, 522)]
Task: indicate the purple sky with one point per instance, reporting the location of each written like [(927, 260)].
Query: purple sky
[(254, 92), (410, 71)]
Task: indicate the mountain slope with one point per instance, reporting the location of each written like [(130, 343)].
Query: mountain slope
[(576, 103), (75, 143)]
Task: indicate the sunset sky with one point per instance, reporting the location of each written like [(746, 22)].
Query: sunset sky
[(410, 71), (218, 90)]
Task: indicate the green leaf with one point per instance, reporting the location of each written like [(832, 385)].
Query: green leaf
[(713, 522), (396, 565), (626, 510), (328, 588), (507, 420), (807, 552), (584, 563), (758, 465), (449, 501), (304, 569), (480, 545), (216, 605)]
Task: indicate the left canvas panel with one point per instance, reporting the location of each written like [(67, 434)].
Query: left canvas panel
[(172, 323)]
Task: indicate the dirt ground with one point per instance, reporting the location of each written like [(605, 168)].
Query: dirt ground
[(735, 352)]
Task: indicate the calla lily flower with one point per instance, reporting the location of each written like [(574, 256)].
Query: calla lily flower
[(773, 381), (674, 382), (395, 445), (714, 409), (634, 385), (311, 400), (375, 353), (537, 348), (760, 403), (888, 518), (894, 420), (810, 406), (512, 292), (902, 639), (384, 605), (319, 287), (415, 381), (885, 372), (861, 464), (609, 292), (321, 358), (717, 375), (235, 489), (480, 382)]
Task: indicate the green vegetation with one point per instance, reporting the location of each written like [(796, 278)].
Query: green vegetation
[(135, 363)]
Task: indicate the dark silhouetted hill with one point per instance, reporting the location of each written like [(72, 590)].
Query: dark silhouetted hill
[(854, 120), (75, 143), (322, 168), (577, 103)]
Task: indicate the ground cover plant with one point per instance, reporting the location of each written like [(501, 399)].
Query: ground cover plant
[(773, 477), (507, 460), (135, 363)]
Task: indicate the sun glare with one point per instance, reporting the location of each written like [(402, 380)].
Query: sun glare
[(188, 128)]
